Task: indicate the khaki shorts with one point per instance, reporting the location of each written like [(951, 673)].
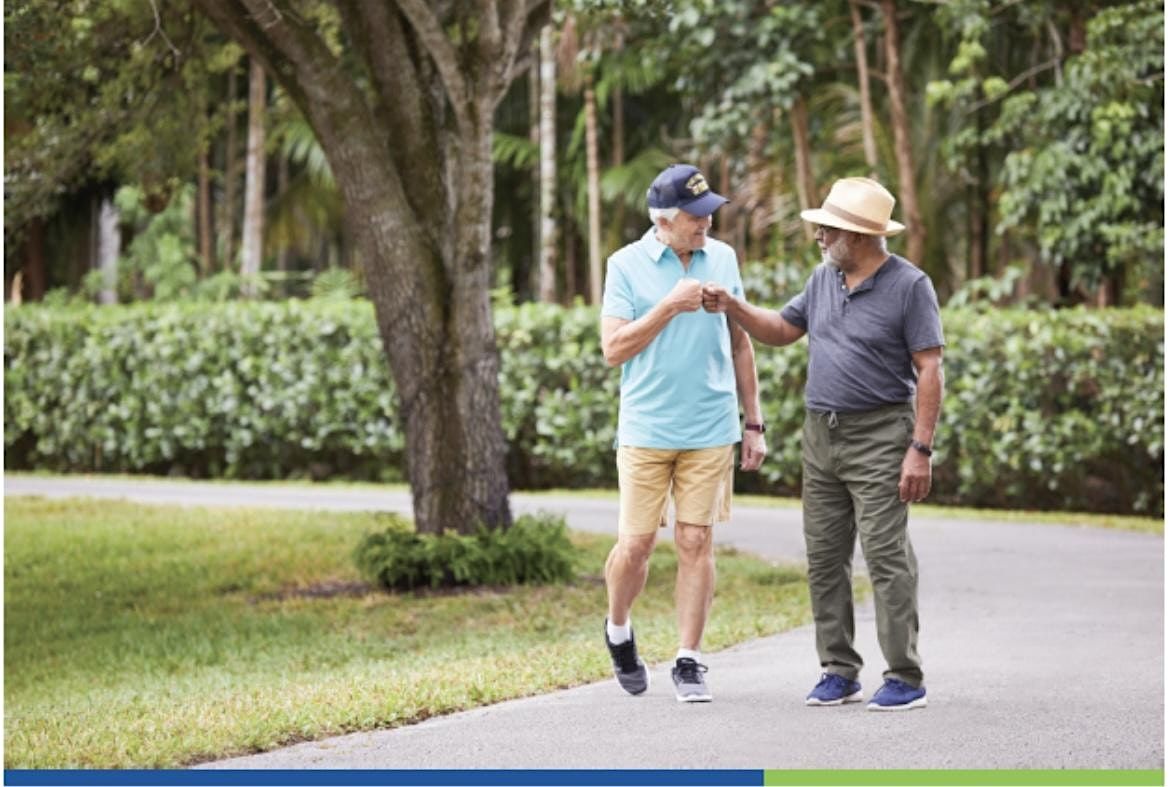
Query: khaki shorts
[(700, 478)]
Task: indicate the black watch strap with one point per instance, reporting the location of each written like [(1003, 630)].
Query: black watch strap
[(921, 448)]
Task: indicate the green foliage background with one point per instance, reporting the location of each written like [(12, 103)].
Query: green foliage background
[(1044, 409)]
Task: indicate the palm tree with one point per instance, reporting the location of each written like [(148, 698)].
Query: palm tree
[(253, 246)]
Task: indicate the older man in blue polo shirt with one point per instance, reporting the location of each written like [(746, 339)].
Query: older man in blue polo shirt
[(682, 368), (873, 396)]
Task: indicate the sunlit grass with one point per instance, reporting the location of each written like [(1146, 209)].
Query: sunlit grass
[(155, 636)]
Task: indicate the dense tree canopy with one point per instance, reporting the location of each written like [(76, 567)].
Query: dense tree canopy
[(1034, 131)]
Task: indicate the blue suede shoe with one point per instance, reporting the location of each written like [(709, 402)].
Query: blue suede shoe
[(834, 690), (897, 695)]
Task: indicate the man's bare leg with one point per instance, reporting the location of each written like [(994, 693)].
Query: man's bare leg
[(626, 569), (695, 585)]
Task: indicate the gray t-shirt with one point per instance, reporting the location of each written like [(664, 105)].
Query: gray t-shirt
[(859, 342)]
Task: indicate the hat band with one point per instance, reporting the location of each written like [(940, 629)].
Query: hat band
[(841, 213)]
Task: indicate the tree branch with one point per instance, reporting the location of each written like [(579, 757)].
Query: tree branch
[(435, 41), (236, 19), (379, 45), (403, 110), (1019, 80), (523, 28), (159, 31), (490, 42)]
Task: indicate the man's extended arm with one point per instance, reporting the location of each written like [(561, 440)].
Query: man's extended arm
[(764, 325)]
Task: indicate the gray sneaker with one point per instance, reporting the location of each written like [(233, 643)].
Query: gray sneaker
[(689, 685), (628, 668)]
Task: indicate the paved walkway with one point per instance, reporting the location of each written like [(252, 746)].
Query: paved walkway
[(1043, 648)]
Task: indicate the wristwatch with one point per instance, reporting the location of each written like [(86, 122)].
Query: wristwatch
[(748, 426), (921, 448)]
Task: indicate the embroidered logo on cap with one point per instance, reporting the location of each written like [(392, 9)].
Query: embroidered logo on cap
[(697, 185)]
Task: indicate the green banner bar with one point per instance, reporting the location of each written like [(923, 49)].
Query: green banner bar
[(970, 778)]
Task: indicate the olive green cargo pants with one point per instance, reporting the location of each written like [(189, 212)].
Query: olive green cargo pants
[(852, 466)]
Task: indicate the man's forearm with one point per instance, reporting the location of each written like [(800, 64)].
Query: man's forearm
[(928, 402), (743, 357), (764, 325), (635, 336)]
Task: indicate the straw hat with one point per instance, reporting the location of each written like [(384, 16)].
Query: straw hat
[(858, 205)]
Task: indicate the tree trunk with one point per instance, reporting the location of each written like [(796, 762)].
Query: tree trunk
[(593, 179), (109, 246), (915, 231), (231, 176), (548, 167), (282, 179), (409, 144), (531, 284), (570, 288), (253, 239), (869, 143), (33, 281), (806, 185), (616, 234), (434, 316), (203, 213), (979, 207), (976, 234)]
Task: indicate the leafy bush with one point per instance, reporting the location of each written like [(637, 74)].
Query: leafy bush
[(534, 551), (1044, 409), (237, 390), (1054, 409)]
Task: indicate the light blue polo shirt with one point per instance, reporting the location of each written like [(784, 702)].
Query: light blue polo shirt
[(679, 392)]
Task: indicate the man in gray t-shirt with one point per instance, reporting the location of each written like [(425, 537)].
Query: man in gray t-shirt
[(873, 397)]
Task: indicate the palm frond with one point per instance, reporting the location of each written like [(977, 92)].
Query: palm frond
[(514, 151), (628, 182)]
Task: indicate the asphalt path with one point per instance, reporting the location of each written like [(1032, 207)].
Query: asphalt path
[(1042, 648)]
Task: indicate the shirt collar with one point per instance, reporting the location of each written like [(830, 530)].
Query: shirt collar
[(656, 249), (871, 281)]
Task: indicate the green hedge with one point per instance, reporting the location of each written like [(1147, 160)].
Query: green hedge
[(1044, 409)]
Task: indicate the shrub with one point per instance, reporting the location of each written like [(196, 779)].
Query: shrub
[(535, 550), (236, 390), (1043, 409)]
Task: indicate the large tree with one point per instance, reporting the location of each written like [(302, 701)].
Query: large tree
[(401, 96)]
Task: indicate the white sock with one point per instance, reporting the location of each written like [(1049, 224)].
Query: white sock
[(618, 634), (683, 653)]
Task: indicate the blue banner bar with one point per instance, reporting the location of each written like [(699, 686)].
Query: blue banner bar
[(396, 778)]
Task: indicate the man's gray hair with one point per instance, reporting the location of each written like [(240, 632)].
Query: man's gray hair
[(663, 213), (878, 241)]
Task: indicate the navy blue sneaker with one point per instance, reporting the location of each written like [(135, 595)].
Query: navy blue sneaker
[(897, 695), (834, 690), (628, 668)]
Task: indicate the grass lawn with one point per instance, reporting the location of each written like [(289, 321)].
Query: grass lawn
[(155, 636)]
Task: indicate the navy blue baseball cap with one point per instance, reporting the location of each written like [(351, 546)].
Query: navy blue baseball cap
[(683, 186)]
